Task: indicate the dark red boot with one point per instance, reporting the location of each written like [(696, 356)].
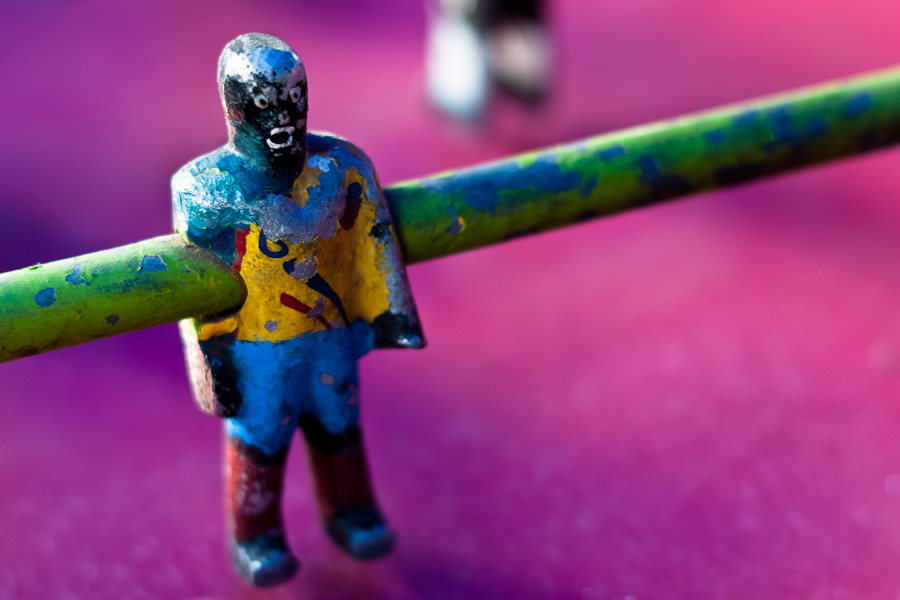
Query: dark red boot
[(344, 492), (253, 484)]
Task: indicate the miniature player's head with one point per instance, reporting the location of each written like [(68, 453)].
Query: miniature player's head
[(263, 87)]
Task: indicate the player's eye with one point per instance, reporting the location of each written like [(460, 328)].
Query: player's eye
[(296, 94), (261, 101)]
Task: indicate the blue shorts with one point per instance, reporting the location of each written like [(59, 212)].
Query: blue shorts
[(280, 381)]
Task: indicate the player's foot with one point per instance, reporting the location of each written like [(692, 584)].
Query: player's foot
[(360, 532), (519, 58), (456, 68), (264, 561)]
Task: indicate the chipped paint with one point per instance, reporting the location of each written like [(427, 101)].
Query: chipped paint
[(152, 263), (96, 295), (457, 226), (45, 297), (76, 277), (857, 105), (611, 153), (652, 163)]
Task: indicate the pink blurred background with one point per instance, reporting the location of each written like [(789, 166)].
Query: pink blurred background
[(698, 400)]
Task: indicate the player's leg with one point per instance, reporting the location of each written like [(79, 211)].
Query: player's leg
[(256, 445), (344, 491), (253, 491), (337, 457), (474, 45), (518, 47), (456, 63)]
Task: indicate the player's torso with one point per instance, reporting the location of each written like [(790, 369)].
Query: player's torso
[(299, 246)]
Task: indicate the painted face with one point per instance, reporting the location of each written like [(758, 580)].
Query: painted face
[(264, 92)]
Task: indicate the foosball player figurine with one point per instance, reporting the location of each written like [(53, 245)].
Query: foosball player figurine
[(302, 217), (478, 46)]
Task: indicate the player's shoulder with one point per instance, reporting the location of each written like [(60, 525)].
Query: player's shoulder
[(217, 164), (336, 149)]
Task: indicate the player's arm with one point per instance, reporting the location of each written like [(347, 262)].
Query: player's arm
[(206, 340), (399, 326), (200, 212)]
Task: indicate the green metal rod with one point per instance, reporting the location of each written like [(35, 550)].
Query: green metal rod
[(67, 302), (470, 208), (72, 301)]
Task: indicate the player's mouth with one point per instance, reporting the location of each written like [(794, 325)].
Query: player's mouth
[(280, 137)]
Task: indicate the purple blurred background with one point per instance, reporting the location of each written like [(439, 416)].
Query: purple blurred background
[(693, 401)]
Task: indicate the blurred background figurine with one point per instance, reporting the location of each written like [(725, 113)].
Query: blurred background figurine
[(303, 218), (477, 46)]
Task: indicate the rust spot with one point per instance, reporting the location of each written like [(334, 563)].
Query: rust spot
[(112, 319)]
